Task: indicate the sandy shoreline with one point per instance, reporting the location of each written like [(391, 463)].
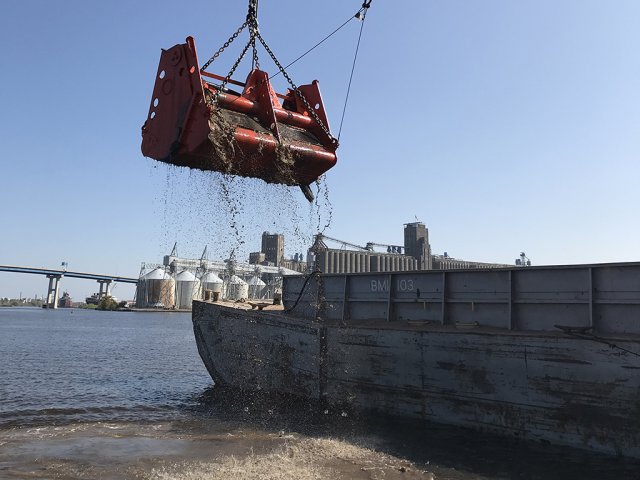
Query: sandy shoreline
[(167, 451), (211, 447)]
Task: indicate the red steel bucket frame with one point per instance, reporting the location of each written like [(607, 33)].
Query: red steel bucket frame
[(181, 119)]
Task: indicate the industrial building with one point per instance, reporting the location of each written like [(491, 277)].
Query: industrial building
[(415, 254), (178, 281), (339, 260), (416, 244), (273, 248), (272, 254)]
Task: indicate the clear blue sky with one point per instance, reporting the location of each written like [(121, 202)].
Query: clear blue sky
[(503, 126)]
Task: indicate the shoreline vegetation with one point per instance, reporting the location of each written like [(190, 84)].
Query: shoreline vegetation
[(21, 302), (106, 303)]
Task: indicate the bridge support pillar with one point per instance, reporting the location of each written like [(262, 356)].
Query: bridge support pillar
[(105, 289), (54, 291)]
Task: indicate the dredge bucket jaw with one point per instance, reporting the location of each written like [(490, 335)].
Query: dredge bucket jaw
[(254, 133)]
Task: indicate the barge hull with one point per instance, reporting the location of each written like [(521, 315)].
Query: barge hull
[(574, 386), (542, 387)]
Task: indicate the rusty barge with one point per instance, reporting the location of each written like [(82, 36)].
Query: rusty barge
[(543, 353)]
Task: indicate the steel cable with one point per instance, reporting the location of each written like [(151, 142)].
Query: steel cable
[(364, 9)]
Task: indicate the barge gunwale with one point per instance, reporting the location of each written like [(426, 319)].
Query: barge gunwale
[(601, 298)]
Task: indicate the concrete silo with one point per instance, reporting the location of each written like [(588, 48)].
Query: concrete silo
[(237, 289), (141, 292), (256, 287), (187, 287), (159, 289), (211, 285)]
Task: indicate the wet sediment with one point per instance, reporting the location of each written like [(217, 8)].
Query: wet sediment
[(230, 434)]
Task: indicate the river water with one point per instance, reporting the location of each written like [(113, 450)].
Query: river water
[(124, 395)]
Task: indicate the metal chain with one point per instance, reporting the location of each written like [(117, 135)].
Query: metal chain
[(256, 62), (252, 21), (311, 111), (253, 24), (226, 44), (233, 69)]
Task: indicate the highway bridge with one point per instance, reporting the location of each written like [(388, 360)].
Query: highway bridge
[(54, 277)]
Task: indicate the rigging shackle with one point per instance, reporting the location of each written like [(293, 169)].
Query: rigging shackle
[(363, 10)]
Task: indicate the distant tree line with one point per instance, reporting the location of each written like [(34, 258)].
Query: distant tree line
[(106, 303), (17, 302)]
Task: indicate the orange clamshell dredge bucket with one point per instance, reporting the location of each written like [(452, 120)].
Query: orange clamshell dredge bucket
[(251, 134)]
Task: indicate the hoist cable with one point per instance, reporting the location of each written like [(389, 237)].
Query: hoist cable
[(317, 44), (365, 6)]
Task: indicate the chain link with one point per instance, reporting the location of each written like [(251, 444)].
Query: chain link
[(256, 62), (311, 110), (226, 44), (233, 69), (252, 21)]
